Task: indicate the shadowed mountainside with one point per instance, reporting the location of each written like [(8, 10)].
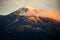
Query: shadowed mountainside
[(18, 27)]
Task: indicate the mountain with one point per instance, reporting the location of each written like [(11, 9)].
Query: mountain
[(17, 26)]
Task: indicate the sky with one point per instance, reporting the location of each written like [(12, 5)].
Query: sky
[(8, 6)]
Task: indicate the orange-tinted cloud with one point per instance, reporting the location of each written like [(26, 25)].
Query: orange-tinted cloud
[(49, 13)]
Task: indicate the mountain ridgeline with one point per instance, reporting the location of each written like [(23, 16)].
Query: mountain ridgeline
[(18, 27)]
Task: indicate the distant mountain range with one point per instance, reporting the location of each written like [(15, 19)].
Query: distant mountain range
[(18, 27)]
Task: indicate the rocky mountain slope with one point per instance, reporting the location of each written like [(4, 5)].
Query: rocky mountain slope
[(15, 26)]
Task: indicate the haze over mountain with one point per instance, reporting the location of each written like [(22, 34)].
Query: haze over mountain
[(29, 24)]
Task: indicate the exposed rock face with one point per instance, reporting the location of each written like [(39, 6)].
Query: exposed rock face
[(18, 27)]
